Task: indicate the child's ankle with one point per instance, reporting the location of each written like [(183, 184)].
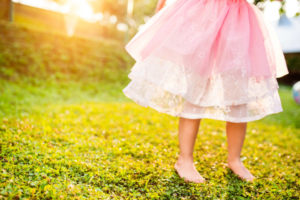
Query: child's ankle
[(185, 158), (233, 160)]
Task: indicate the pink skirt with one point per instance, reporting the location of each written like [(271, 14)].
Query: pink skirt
[(216, 59)]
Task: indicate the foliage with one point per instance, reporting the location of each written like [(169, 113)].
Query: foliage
[(62, 140), (54, 56), (77, 137), (293, 61)]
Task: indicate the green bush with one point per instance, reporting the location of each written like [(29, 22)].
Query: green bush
[(293, 62), (24, 52)]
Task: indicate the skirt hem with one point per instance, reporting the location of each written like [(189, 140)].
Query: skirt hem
[(137, 100)]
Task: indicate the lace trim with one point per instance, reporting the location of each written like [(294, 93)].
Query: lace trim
[(230, 96), (148, 94), (229, 88)]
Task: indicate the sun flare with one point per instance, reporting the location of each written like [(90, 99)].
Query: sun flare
[(80, 8)]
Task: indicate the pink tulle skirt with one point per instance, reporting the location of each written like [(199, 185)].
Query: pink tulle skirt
[(215, 59)]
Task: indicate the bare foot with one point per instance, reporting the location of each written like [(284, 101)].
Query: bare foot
[(188, 171), (240, 170)]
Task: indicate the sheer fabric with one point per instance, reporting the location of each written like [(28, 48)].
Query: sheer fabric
[(207, 59)]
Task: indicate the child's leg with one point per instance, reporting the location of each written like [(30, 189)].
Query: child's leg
[(235, 138), (188, 129)]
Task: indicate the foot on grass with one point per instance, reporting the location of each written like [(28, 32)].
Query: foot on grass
[(240, 170), (188, 171)]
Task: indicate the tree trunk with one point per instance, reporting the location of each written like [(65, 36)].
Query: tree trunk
[(6, 10)]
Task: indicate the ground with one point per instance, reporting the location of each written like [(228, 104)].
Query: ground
[(66, 137)]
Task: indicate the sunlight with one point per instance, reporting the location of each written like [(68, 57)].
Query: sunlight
[(44, 4), (80, 8)]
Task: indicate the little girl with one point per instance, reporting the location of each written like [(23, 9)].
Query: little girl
[(214, 59)]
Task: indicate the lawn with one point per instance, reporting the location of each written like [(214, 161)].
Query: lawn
[(71, 136)]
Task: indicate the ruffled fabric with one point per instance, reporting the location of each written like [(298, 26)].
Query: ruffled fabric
[(211, 36), (213, 59), (171, 89)]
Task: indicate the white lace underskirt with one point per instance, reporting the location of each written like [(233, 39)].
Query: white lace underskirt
[(230, 96)]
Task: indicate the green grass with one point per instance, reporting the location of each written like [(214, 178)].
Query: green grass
[(74, 140), (76, 137), (42, 55), (290, 117)]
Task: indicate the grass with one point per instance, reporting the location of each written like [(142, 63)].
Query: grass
[(70, 138), (43, 55), (73, 140)]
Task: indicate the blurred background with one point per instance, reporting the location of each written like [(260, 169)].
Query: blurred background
[(68, 131), (113, 21)]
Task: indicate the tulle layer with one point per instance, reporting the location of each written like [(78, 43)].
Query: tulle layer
[(172, 89), (213, 59), (147, 94), (211, 36)]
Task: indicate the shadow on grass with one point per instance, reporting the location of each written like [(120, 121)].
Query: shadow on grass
[(177, 188)]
